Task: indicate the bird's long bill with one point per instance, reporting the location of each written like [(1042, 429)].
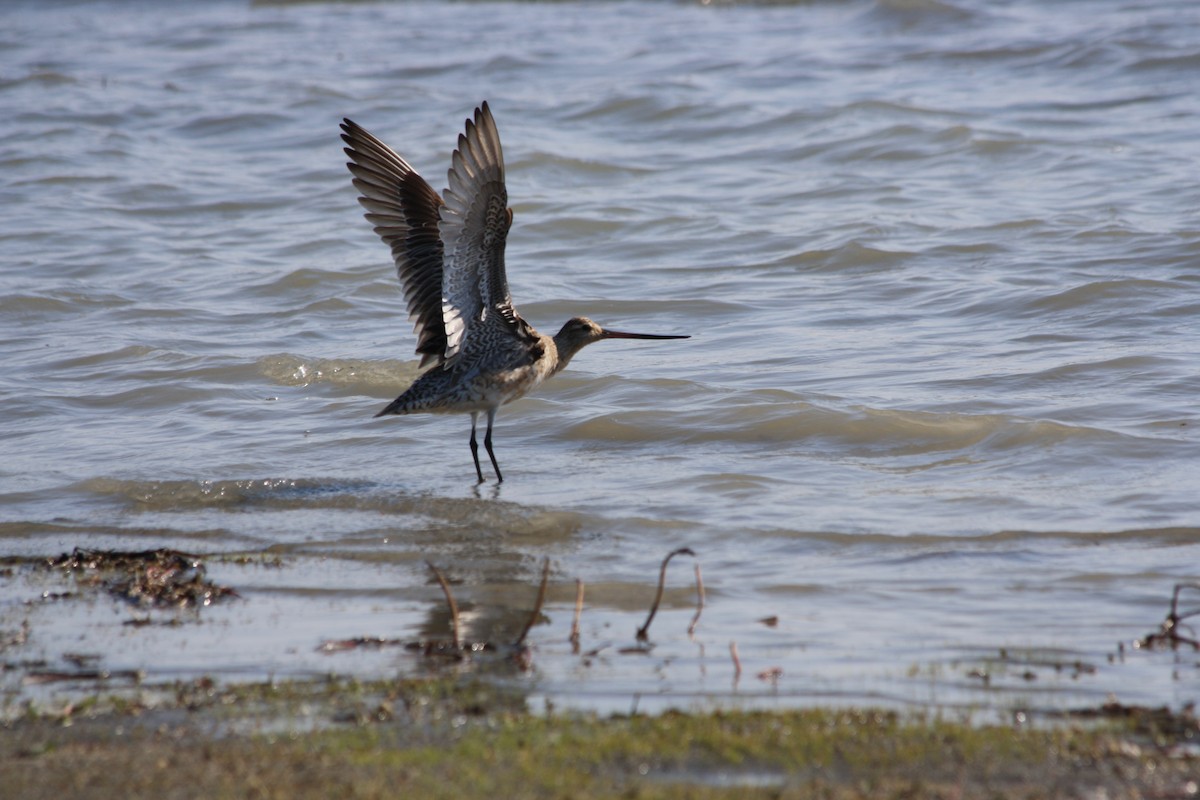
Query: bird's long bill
[(626, 335)]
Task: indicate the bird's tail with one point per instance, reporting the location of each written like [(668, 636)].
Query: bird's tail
[(411, 402), (429, 393), (391, 408)]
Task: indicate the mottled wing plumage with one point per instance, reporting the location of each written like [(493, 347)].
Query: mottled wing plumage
[(449, 252), (404, 210), (474, 226)]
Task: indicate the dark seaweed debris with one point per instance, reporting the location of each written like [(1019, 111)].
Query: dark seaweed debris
[(1158, 723), (160, 578)]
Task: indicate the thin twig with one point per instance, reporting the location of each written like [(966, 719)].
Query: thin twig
[(574, 639), (449, 601), (1179, 587), (537, 606), (1169, 629), (642, 633), (699, 601), (1170, 626)]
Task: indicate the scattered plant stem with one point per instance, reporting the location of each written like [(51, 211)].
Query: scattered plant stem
[(699, 601), (537, 605), (521, 652), (771, 674), (574, 638), (337, 645), (1175, 615), (450, 602), (643, 632)]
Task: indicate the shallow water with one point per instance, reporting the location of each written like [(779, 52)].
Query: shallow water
[(939, 262)]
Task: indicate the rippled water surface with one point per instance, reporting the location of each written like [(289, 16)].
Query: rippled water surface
[(940, 262)]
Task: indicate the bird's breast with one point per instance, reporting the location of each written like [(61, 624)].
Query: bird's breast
[(506, 385)]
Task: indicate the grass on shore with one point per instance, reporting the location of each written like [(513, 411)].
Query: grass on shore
[(446, 738)]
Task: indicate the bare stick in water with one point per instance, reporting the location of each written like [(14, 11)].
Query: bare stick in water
[(699, 601), (574, 639), (1169, 629), (1175, 616), (537, 606), (642, 633), (449, 601)]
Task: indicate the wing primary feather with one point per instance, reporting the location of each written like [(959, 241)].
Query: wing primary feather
[(448, 248), (403, 209), (474, 227)]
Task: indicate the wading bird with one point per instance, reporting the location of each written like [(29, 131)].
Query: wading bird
[(449, 253)]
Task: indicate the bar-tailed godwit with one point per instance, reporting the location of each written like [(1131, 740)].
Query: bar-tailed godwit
[(449, 253)]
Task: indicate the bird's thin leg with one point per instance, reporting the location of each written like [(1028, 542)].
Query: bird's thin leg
[(475, 445), (487, 442)]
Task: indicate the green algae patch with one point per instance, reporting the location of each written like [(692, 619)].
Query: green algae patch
[(452, 738), (820, 753)]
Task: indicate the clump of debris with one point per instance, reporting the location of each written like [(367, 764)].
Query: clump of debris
[(160, 578)]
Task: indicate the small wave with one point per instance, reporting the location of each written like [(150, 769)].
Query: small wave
[(852, 255), (740, 486), (192, 495), (41, 79), (1109, 292), (35, 306), (133, 353), (1174, 64), (229, 124), (39, 539), (382, 378), (312, 277), (1165, 537), (906, 14), (860, 431)]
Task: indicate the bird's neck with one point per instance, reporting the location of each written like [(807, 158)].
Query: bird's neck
[(566, 349)]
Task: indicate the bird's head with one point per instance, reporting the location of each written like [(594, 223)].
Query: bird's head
[(578, 332)]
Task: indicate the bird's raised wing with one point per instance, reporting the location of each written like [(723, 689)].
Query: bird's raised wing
[(474, 226), (404, 210)]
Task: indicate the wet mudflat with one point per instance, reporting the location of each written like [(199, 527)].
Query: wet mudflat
[(551, 637), (469, 726)]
